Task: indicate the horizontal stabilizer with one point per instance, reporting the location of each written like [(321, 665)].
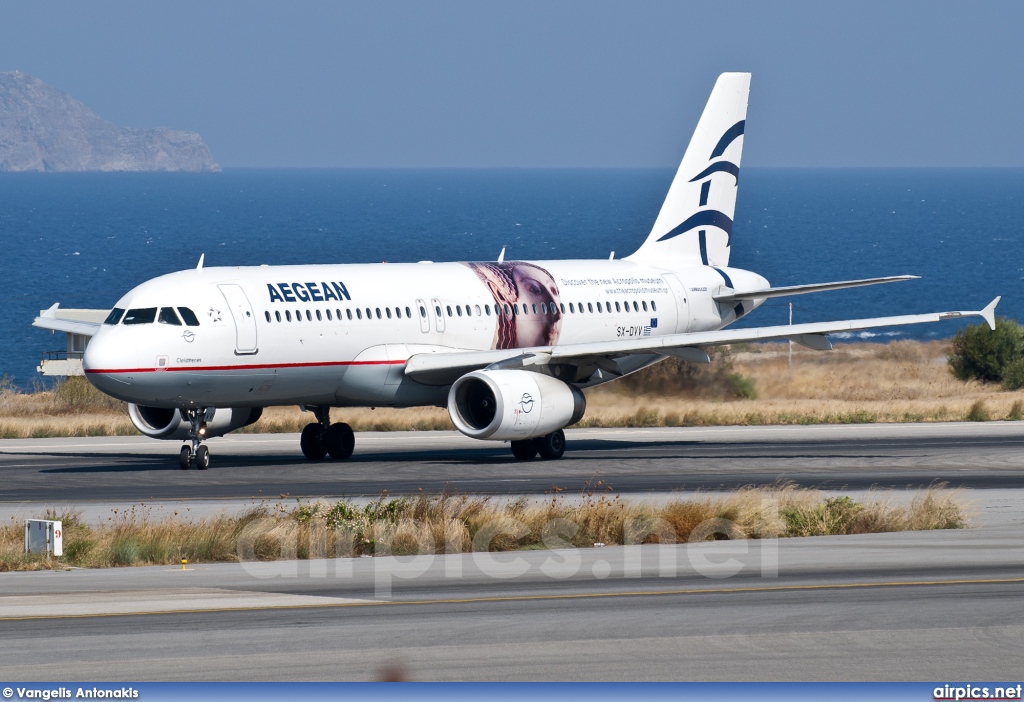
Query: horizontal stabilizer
[(733, 296)]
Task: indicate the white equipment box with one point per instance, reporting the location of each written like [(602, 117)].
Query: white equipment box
[(44, 536)]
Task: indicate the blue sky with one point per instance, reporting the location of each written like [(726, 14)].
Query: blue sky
[(540, 84)]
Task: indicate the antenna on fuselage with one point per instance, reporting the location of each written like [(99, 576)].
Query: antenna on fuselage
[(199, 265), (611, 256), (501, 256)]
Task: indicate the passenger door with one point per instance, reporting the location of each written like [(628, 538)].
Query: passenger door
[(421, 312), (245, 320), (438, 311)]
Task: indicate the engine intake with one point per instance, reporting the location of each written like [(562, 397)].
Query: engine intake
[(513, 404), (162, 423)]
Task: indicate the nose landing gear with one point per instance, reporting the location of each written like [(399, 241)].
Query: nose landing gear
[(195, 455), (321, 438)]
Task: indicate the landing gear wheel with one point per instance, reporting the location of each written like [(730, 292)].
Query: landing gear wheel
[(202, 458), (312, 442), (339, 441), (524, 450), (551, 446), (185, 458)]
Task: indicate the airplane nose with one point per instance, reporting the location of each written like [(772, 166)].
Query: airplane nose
[(109, 364)]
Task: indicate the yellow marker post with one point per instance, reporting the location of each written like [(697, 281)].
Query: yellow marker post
[(183, 563)]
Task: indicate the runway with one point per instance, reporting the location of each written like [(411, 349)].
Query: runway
[(938, 605), (917, 606), (131, 469)]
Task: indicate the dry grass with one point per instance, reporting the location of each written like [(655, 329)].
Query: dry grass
[(459, 524), (903, 381)]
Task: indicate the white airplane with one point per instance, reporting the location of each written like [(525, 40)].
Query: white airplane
[(507, 346)]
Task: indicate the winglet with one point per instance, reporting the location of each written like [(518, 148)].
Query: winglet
[(51, 311), (989, 313), (501, 256)]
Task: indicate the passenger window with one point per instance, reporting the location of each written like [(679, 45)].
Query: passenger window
[(590, 307), (562, 305), (329, 318), (515, 310), (654, 307), (506, 310), (189, 316), (277, 314), (526, 310), (644, 303), (487, 309), (348, 313), (337, 313), (478, 310), (309, 316), (458, 309), (388, 310), (115, 316), (469, 311), (572, 308), (288, 315), (617, 307), (408, 313), (359, 313), (437, 309), (398, 312), (636, 307), (598, 306), (369, 314), (267, 313), (378, 313), (543, 308), (449, 307), (423, 311), (318, 317), (143, 315)]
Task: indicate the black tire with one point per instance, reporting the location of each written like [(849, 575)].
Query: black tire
[(339, 441), (551, 446), (185, 458), (524, 450), (312, 442), (202, 458)]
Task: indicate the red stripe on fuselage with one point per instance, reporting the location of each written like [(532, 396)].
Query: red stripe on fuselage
[(259, 366)]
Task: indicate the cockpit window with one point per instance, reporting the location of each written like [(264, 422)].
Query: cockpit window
[(115, 316), (189, 316), (142, 315), (167, 316)]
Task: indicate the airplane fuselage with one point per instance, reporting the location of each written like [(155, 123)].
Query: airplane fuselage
[(339, 335)]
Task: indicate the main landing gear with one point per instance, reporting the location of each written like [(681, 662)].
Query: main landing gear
[(322, 438), (549, 446), (195, 455)]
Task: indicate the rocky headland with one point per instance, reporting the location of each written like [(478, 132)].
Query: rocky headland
[(46, 130)]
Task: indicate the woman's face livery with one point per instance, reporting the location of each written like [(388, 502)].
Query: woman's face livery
[(536, 289)]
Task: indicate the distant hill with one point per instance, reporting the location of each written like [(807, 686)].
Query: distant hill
[(44, 129)]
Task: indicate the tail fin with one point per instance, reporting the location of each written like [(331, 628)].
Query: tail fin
[(694, 226)]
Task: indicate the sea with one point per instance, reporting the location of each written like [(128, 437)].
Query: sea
[(85, 239)]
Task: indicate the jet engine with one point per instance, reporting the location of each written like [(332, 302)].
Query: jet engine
[(160, 423), (513, 404)]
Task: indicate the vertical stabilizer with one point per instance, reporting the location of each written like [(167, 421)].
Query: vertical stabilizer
[(694, 226)]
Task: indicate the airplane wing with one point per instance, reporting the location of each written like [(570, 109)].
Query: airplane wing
[(441, 368), (729, 295), (50, 320)]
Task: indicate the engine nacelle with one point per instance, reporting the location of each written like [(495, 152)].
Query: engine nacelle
[(513, 404), (160, 423)]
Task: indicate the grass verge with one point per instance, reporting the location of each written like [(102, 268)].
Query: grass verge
[(457, 524)]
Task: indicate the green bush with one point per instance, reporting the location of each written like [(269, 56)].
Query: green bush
[(982, 354), (1013, 375)]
